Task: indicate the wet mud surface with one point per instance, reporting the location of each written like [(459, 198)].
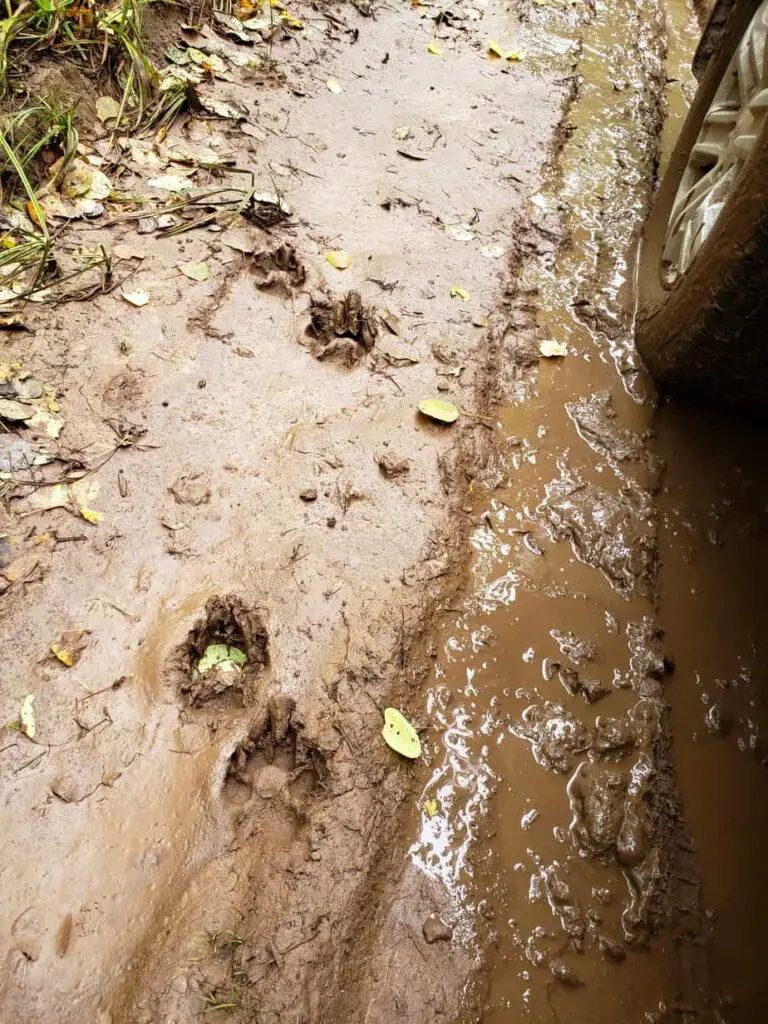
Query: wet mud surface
[(584, 841)]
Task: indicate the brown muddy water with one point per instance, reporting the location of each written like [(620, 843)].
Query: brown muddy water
[(596, 805)]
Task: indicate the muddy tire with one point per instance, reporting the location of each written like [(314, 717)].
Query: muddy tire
[(704, 333)]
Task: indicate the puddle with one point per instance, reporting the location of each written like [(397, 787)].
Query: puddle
[(552, 815)]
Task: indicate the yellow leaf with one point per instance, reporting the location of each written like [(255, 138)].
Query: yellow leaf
[(399, 734), (333, 86), (517, 55), (495, 50), (457, 292), (90, 516), (27, 716), (431, 807), (63, 654), (339, 258), (9, 242), (435, 50), (195, 271), (552, 349), (439, 409)]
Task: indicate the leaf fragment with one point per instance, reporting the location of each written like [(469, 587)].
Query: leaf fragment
[(69, 648), (435, 50), (439, 409), (90, 515), (400, 735), (339, 258), (27, 716), (333, 86), (107, 109), (138, 297), (496, 50), (431, 807), (171, 183), (551, 349), (195, 271), (222, 656), (457, 292)]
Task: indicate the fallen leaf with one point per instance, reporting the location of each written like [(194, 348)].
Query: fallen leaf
[(227, 109), (439, 409), (435, 50), (241, 238), (127, 252), (402, 133), (333, 86), (107, 108), (431, 807), (15, 411), (552, 349), (139, 297), (339, 259), (101, 187), (400, 735), (27, 716), (70, 646), (45, 498), (221, 655), (171, 183), (90, 515), (15, 322), (457, 292), (460, 232), (517, 55), (195, 271), (495, 50), (48, 422)]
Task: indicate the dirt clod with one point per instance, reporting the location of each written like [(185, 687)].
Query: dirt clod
[(391, 466), (191, 489), (435, 929)]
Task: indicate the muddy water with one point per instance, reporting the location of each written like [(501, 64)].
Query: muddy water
[(571, 849)]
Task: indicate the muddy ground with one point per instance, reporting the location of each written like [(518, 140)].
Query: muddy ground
[(244, 845)]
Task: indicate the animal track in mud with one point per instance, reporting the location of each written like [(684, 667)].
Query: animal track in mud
[(228, 621), (278, 269), (341, 329), (276, 764)]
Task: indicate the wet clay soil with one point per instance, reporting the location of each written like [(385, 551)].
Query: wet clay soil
[(585, 841), (596, 805)]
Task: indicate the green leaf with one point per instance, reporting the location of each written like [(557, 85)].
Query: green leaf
[(220, 654), (399, 734), (439, 409)]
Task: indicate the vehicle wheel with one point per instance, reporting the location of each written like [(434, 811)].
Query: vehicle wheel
[(702, 321)]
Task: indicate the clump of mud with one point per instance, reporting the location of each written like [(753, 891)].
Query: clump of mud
[(229, 621), (341, 329)]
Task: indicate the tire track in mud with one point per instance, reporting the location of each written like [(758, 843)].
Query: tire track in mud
[(551, 819)]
